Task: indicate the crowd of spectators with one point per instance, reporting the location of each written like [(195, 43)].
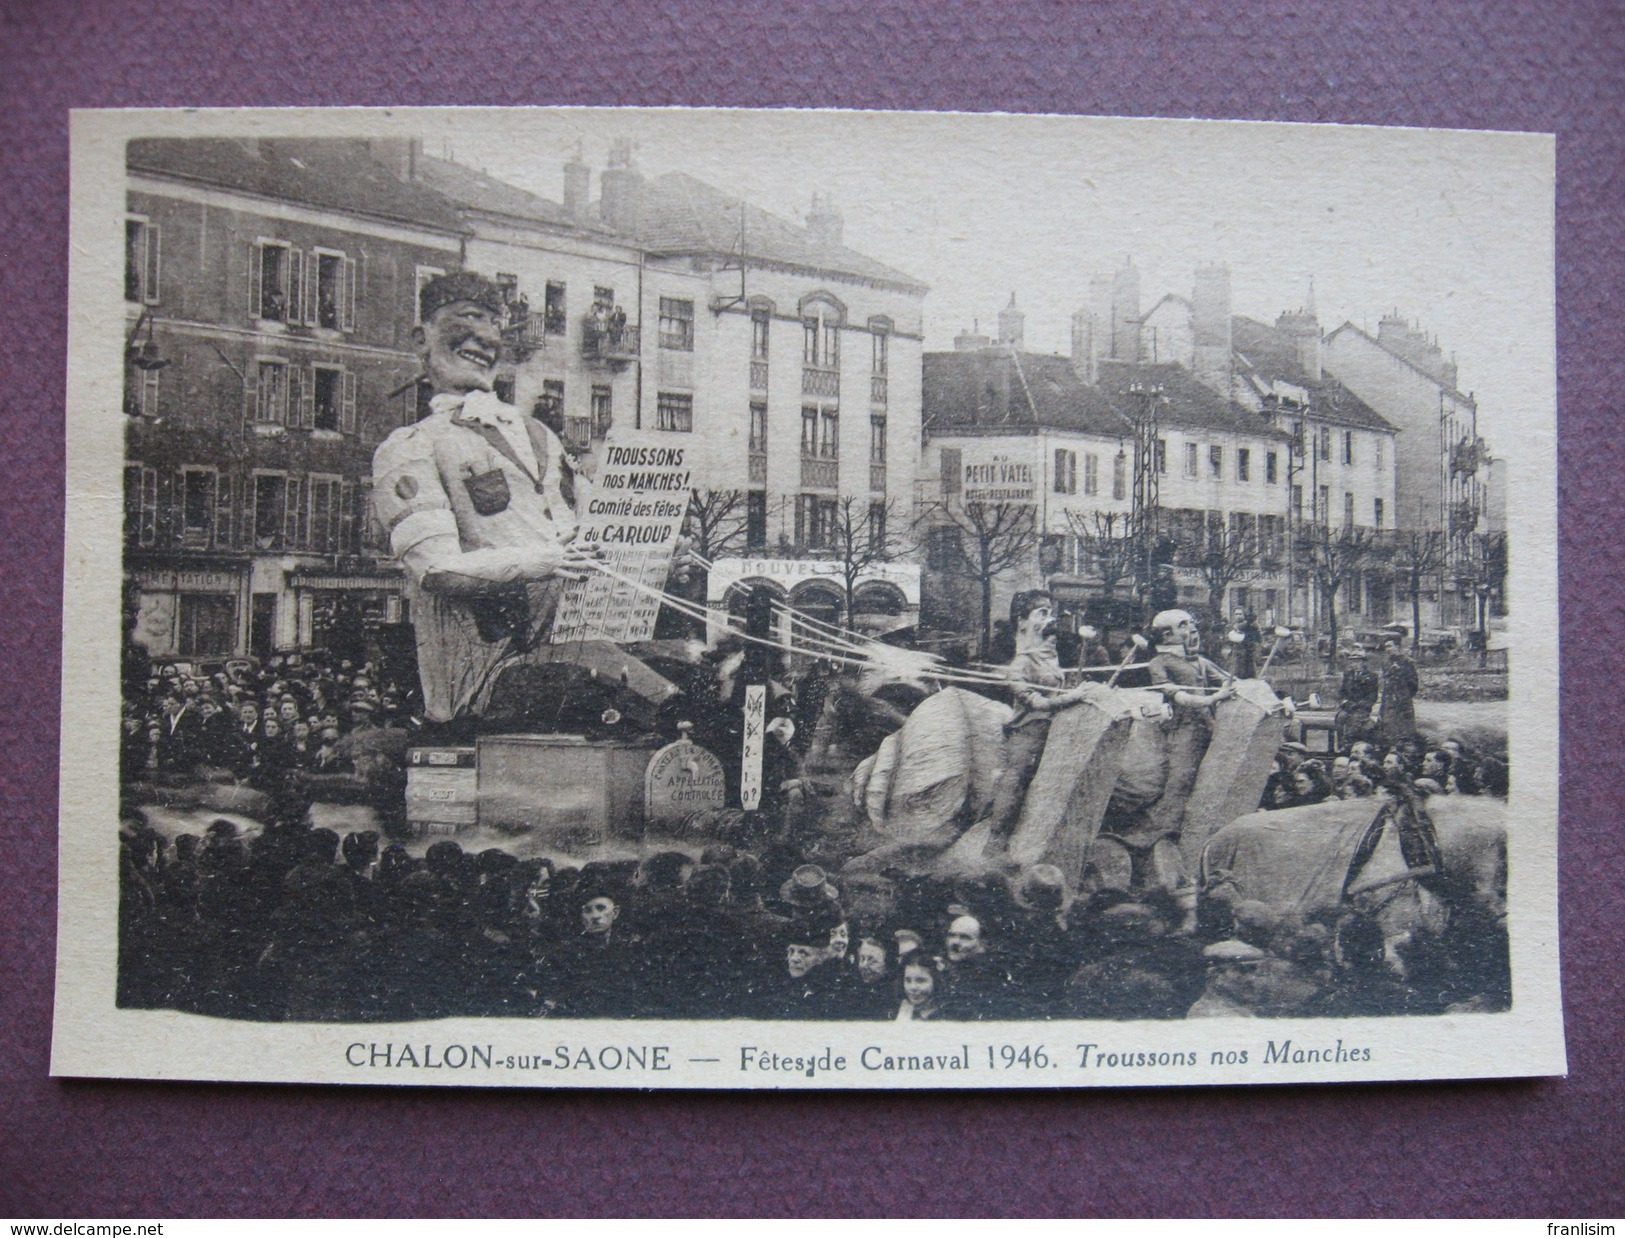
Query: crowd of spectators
[(1365, 767), (274, 727), (288, 921), (295, 923)]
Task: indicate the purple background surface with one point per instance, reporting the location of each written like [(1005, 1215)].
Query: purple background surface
[(1548, 1148)]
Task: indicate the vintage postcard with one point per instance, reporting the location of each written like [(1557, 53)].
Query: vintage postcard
[(726, 599)]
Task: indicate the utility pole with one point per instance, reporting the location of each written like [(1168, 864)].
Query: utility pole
[(1146, 495)]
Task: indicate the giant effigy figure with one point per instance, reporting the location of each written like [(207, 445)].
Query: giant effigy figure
[(481, 505), (1092, 776)]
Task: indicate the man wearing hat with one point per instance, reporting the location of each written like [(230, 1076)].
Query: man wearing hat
[(480, 504), (1357, 697)]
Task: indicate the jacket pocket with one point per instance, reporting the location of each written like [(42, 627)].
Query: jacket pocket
[(488, 492)]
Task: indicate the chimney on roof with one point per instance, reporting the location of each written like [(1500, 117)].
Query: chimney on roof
[(1012, 325), (1125, 322), (1302, 329), (620, 203), (970, 341), (824, 222), (1404, 339), (577, 184), (1086, 345), (1210, 328), (399, 155)]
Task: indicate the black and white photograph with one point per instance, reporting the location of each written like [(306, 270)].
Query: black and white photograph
[(680, 598)]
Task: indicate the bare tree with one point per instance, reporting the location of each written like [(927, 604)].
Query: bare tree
[(864, 533), (1330, 557), (1108, 539), (1226, 554), (1418, 554), (988, 538), (717, 522), (1481, 575)]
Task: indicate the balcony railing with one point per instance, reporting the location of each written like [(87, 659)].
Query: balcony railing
[(522, 338), (877, 478), (758, 468), (877, 388), (820, 382), (758, 376), (818, 473), (609, 344), (578, 432)]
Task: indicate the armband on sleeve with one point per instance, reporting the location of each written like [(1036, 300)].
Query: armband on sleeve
[(407, 494)]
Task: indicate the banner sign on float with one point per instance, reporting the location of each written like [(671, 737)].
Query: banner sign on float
[(750, 774), (635, 514)]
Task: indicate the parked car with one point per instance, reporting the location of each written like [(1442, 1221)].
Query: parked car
[(205, 668)]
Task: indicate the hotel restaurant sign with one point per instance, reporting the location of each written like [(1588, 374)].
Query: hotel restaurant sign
[(789, 573)]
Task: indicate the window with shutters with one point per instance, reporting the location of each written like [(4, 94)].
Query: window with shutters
[(267, 518), (141, 261), (1190, 460), (424, 275), (1271, 467), (1376, 512), (150, 384), (197, 506), (603, 411), (140, 505), (223, 511), (1091, 473), (1348, 510), (1244, 464), (1348, 446), (1066, 471), (1324, 438), (326, 397), (278, 282), (295, 520), (326, 495), (1215, 462), (1120, 476), (271, 392), (333, 291)]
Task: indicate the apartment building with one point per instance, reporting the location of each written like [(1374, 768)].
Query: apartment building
[(269, 291), (1443, 473)]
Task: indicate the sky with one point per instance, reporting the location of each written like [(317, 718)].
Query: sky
[(1453, 229)]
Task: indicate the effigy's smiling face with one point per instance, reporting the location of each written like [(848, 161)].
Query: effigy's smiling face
[(458, 347)]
